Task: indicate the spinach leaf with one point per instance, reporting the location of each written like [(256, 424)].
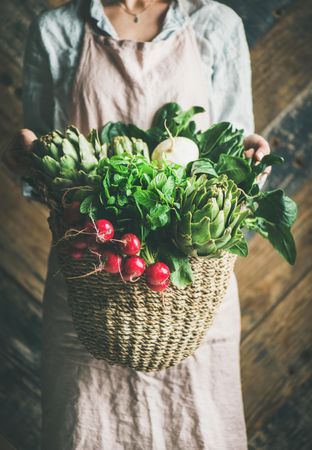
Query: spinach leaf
[(279, 235), (282, 240), (267, 160), (183, 119), (232, 147), (203, 165), (208, 139), (166, 113), (220, 138), (111, 130), (237, 169), (179, 122), (189, 131), (147, 136), (181, 272), (276, 207)]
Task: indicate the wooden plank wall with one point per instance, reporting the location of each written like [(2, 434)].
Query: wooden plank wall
[(275, 298)]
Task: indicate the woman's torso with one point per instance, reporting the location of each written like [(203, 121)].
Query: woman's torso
[(60, 35)]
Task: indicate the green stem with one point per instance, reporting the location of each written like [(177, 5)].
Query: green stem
[(147, 255)]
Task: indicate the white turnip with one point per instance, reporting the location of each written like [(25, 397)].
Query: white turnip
[(179, 150)]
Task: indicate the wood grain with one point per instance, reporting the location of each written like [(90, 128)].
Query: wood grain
[(20, 337), (4, 444), (24, 238), (10, 94), (288, 427), (282, 63), (56, 3), (276, 362), (264, 278), (260, 16), (289, 135), (15, 18)]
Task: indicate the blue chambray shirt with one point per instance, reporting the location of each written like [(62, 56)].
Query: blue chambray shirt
[(53, 50)]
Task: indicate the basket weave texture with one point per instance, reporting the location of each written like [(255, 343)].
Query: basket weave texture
[(130, 325)]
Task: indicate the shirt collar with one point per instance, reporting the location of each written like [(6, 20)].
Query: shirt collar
[(174, 19)]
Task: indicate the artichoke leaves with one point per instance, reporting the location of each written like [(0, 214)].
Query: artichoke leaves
[(210, 217), (132, 146), (66, 160)]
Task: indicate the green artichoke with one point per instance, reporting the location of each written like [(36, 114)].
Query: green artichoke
[(210, 217), (133, 146), (66, 160), (63, 161)]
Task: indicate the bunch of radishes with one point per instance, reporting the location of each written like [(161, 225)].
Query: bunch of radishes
[(115, 255)]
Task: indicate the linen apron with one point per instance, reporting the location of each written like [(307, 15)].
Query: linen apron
[(88, 404)]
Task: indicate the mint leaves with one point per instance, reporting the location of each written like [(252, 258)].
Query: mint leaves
[(135, 187)]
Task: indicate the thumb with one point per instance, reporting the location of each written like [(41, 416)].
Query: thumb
[(15, 156), (24, 140)]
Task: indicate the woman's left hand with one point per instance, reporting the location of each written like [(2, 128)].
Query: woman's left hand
[(256, 147)]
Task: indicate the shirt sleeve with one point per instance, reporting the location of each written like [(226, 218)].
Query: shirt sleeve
[(37, 91), (37, 84), (231, 80)]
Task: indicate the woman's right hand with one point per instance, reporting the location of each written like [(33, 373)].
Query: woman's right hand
[(16, 156)]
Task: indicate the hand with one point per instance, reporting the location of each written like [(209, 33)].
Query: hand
[(256, 147), (16, 156)]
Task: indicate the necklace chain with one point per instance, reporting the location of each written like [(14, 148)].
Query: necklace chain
[(135, 16)]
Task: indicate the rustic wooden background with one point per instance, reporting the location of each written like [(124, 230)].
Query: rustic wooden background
[(275, 298)]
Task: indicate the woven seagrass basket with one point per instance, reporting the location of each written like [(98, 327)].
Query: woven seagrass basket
[(130, 325)]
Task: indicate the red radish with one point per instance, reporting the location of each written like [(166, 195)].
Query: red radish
[(105, 230), (76, 254), (160, 286), (130, 244), (112, 262), (133, 267), (102, 229), (72, 213), (157, 273)]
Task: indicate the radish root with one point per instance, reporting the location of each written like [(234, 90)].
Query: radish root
[(96, 270)]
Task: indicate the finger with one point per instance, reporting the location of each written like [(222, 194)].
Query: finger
[(263, 150), (258, 143), (253, 141), (249, 153), (261, 179), (23, 140), (15, 156), (267, 170), (27, 138)]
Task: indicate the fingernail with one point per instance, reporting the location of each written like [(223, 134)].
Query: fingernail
[(259, 155)]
